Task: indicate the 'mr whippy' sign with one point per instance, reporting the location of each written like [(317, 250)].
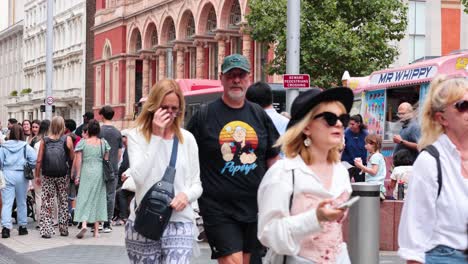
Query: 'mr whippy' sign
[(415, 74)]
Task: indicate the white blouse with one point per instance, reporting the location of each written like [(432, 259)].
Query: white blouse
[(428, 221), (277, 228)]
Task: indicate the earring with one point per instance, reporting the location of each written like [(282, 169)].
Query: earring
[(307, 142)]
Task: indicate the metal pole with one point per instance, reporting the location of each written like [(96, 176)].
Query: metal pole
[(364, 223), (49, 51), (293, 46)]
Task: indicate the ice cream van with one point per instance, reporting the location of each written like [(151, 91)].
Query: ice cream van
[(386, 89)]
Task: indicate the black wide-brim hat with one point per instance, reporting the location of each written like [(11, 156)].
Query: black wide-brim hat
[(308, 100)]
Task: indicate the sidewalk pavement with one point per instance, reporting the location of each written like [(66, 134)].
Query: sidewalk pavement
[(109, 248)]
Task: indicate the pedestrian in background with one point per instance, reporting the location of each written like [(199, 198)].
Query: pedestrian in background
[(376, 169), (114, 139), (298, 196), (86, 117), (261, 94), (433, 225), (410, 131), (35, 125), (355, 136), (149, 148), (43, 131), (91, 200), (236, 139), (27, 130), (14, 154), (55, 151)]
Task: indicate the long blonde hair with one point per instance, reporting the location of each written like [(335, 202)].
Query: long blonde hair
[(443, 91), (157, 94), (292, 142), (57, 126)]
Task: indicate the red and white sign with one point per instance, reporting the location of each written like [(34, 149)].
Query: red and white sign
[(50, 100), (292, 81)]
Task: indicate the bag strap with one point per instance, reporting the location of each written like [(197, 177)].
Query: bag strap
[(100, 148), (175, 146), (435, 153), (285, 257)]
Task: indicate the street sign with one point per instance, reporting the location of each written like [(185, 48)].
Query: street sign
[(49, 100), (294, 81)]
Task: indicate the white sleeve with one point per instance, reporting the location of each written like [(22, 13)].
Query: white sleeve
[(195, 188), (277, 229), (418, 217), (140, 155)]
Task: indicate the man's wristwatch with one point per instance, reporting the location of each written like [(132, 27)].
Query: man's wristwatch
[(402, 142)]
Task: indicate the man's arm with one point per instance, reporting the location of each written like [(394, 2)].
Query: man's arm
[(410, 145)]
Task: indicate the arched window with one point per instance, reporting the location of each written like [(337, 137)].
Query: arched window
[(138, 42), (190, 27), (211, 22), (171, 34), (154, 38), (235, 16)]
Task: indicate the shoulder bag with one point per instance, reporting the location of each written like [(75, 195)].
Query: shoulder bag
[(107, 170), (27, 169), (154, 211)]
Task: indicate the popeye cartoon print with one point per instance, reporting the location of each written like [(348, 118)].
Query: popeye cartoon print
[(238, 142)]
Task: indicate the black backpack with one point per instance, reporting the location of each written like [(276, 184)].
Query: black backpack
[(435, 153), (154, 211), (55, 158)]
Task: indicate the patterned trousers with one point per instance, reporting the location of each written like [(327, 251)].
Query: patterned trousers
[(54, 187), (175, 246)]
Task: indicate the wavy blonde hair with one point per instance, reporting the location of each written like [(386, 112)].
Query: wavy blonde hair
[(157, 94), (292, 142), (443, 91)]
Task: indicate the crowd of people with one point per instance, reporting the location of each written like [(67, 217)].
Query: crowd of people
[(268, 187), (68, 185)]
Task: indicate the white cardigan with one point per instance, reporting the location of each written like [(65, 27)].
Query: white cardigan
[(148, 161)]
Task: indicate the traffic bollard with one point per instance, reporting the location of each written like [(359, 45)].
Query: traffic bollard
[(364, 223)]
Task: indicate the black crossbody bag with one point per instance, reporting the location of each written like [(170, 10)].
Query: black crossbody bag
[(154, 211)]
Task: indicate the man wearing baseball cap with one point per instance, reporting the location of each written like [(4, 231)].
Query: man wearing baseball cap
[(235, 139)]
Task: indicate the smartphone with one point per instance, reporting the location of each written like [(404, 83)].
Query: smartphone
[(348, 203)]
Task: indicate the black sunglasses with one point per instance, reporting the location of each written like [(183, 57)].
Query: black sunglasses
[(331, 118), (461, 106)]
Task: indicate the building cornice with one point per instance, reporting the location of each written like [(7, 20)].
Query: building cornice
[(12, 30)]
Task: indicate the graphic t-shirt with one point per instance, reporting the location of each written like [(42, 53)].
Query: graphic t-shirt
[(234, 146)]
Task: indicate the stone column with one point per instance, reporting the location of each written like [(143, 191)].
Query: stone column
[(246, 47), (162, 64), (221, 38), (130, 93), (146, 76), (180, 61), (200, 59)]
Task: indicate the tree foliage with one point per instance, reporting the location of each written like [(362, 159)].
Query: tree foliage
[(336, 35), (465, 3)]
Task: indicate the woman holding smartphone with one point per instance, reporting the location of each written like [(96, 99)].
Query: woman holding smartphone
[(299, 196)]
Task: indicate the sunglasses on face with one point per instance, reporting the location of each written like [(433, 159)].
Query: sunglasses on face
[(461, 106), (332, 119)]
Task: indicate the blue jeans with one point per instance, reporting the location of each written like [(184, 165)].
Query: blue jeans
[(445, 255), (16, 187)]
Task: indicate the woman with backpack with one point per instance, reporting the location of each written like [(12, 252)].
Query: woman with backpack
[(14, 155), (433, 224), (91, 202), (52, 160)]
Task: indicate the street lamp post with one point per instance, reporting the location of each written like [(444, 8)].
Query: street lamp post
[(49, 51), (293, 46)]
